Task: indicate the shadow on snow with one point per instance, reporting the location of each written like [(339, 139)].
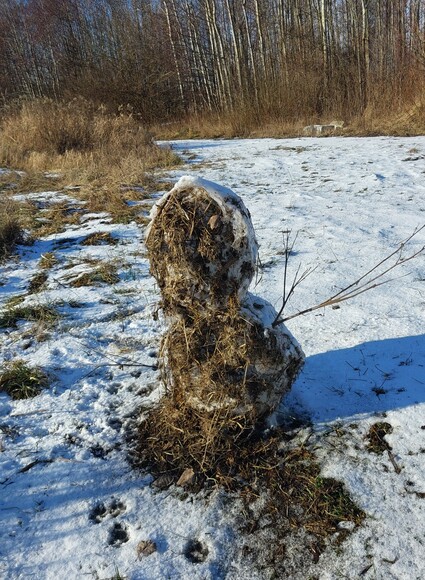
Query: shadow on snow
[(369, 378)]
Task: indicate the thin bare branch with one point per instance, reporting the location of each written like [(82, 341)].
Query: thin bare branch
[(364, 283), (298, 278), (398, 250)]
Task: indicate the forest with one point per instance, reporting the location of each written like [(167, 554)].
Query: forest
[(257, 59)]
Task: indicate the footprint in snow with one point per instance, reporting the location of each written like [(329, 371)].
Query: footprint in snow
[(195, 551), (100, 511), (118, 535)]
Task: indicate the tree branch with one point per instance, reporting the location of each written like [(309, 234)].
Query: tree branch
[(364, 283)]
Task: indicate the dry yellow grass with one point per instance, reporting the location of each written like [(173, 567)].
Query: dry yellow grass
[(379, 118), (10, 228), (82, 143), (49, 145)]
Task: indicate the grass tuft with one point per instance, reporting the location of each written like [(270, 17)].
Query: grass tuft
[(37, 282), (99, 239), (14, 301), (105, 274), (21, 381), (9, 317), (48, 260), (377, 432), (54, 219), (11, 232)]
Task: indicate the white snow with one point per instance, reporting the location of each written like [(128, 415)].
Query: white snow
[(63, 453), (51, 197)]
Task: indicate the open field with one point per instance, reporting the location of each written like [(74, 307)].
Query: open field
[(79, 304)]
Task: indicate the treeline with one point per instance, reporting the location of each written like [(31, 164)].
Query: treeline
[(168, 58)]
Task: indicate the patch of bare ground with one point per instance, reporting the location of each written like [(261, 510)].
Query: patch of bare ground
[(376, 437)]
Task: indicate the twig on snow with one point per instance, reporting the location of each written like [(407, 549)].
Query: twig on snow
[(288, 246), (371, 279)]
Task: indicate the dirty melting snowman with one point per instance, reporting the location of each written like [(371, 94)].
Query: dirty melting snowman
[(224, 364)]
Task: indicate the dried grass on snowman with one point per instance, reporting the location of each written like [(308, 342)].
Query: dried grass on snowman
[(224, 365)]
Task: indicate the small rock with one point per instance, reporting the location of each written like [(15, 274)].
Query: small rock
[(346, 525)]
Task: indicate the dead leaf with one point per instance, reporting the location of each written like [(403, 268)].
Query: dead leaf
[(186, 477), (213, 222), (145, 548)]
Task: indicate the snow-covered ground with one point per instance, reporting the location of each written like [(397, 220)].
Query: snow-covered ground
[(70, 504)]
